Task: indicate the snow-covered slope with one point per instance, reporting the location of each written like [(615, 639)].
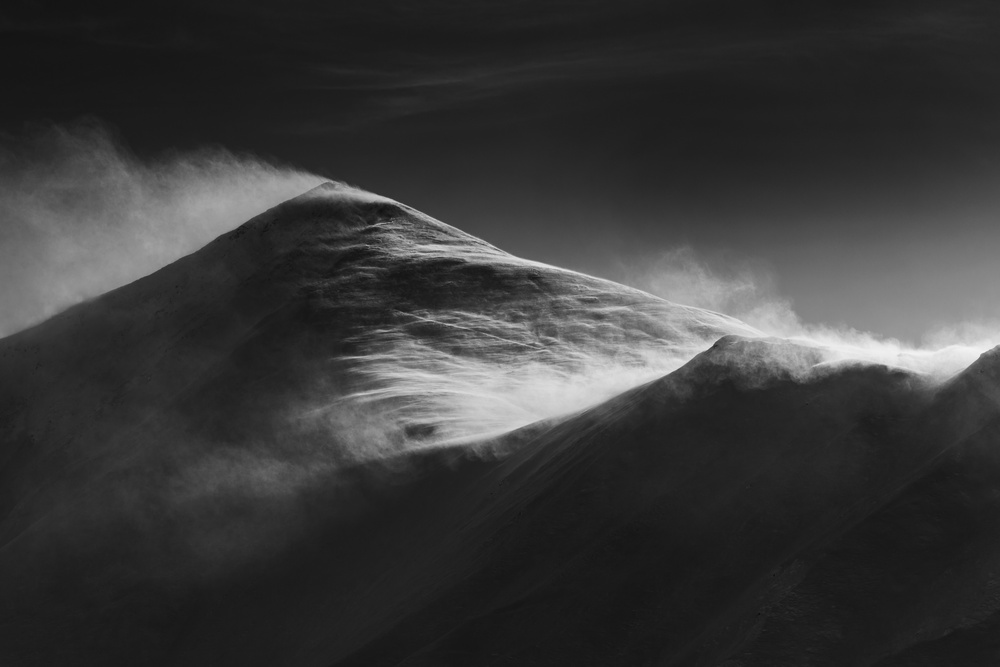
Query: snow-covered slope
[(349, 434)]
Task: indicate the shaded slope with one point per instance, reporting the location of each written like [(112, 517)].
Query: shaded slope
[(916, 582), (665, 526), (646, 530)]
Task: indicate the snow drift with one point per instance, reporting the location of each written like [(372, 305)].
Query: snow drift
[(348, 434)]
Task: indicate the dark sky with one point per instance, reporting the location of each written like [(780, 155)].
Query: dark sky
[(852, 147)]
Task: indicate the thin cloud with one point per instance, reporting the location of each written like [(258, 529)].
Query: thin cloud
[(388, 60), (405, 81)]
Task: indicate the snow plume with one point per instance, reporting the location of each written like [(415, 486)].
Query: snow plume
[(747, 290), (80, 214), (432, 396)]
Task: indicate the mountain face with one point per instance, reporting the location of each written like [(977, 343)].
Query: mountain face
[(348, 434)]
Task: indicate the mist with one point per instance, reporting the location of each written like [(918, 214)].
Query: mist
[(747, 289), (80, 214), (83, 215)]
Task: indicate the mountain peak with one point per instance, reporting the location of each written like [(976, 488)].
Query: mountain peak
[(292, 430), (327, 206), (360, 205)]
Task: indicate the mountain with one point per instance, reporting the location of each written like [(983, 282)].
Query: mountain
[(348, 434)]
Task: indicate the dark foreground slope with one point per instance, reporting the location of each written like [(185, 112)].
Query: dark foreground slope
[(347, 434)]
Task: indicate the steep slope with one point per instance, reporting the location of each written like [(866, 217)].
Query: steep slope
[(348, 434), (672, 524), (170, 430)]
